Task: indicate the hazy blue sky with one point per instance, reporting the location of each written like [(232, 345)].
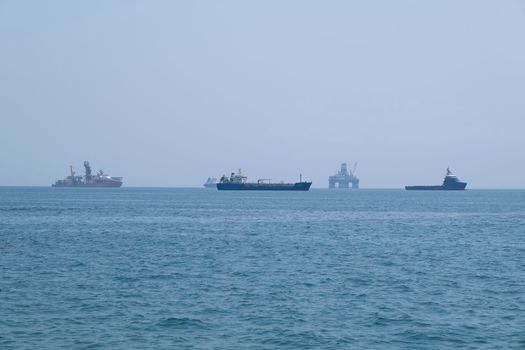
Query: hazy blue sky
[(167, 93)]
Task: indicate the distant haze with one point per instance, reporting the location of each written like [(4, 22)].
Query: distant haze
[(167, 93)]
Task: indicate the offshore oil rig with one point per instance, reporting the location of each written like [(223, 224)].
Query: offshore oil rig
[(344, 178)]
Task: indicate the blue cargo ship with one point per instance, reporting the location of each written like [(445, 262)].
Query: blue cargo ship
[(239, 182), (450, 183)]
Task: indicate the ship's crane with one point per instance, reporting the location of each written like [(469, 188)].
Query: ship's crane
[(353, 169)]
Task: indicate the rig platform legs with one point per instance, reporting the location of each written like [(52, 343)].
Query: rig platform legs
[(344, 178)]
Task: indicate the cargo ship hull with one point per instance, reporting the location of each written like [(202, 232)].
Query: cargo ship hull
[(298, 186)]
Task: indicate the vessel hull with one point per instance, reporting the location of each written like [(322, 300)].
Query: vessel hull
[(112, 184), (459, 186), (298, 186)]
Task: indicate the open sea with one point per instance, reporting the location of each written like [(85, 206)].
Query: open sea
[(145, 268)]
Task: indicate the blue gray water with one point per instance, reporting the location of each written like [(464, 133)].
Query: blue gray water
[(200, 269)]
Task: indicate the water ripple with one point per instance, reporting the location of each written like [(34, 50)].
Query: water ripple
[(197, 269)]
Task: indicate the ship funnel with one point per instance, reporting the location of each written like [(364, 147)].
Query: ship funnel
[(88, 170)]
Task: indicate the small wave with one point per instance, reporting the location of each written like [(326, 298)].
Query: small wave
[(126, 279), (31, 209), (162, 276), (182, 322), (279, 337)]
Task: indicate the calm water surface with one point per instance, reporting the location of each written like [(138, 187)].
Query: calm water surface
[(200, 269)]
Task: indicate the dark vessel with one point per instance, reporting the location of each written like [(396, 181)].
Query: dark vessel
[(100, 179), (238, 182), (211, 183), (450, 183)]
